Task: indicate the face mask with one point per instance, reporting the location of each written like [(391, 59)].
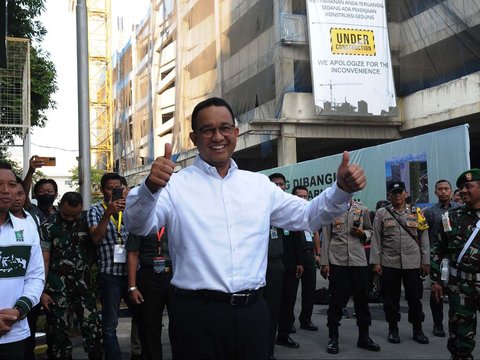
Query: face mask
[(45, 199)]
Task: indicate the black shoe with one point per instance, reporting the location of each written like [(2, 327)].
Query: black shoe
[(287, 342), (332, 347), (393, 336), (368, 344), (293, 330), (420, 337), (309, 326), (438, 330)]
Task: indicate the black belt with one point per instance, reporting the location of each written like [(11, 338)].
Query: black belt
[(241, 298)]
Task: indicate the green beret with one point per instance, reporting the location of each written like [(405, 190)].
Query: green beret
[(469, 175)]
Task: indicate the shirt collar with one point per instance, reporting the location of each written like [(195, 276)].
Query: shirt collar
[(212, 170)]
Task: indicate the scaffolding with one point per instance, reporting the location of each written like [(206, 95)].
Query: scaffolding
[(100, 83), (15, 98)]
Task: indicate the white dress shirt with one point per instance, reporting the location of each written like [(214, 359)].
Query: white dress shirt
[(218, 227)]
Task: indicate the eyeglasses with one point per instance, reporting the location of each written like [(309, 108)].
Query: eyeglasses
[(209, 132)]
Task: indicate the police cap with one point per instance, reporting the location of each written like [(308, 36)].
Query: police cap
[(469, 175), (396, 185)]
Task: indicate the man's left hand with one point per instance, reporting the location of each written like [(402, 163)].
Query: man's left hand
[(350, 177), (425, 269)]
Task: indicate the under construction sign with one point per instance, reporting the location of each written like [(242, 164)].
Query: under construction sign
[(352, 42), (350, 58)]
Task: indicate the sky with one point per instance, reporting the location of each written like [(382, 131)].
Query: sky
[(59, 138)]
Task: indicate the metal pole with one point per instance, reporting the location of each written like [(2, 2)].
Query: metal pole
[(84, 177)]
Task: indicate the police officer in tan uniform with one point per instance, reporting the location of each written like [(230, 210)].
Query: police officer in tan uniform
[(344, 262), (400, 252)]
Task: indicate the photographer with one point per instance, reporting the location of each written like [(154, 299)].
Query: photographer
[(344, 262)]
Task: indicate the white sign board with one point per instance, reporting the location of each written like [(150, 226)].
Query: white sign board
[(350, 58)]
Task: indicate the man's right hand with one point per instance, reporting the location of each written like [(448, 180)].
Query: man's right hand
[(136, 297), (161, 170), (35, 163), (113, 207), (6, 321), (377, 269), (325, 271), (437, 291), (46, 300)]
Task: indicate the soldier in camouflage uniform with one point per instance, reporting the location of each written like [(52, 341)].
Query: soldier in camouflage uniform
[(67, 250), (464, 279)]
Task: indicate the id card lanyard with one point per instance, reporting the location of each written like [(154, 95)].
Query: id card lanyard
[(118, 224), (119, 252), (159, 261)]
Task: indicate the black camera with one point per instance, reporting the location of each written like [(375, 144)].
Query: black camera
[(356, 223)]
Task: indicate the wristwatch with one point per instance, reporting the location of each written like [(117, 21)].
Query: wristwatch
[(130, 289)]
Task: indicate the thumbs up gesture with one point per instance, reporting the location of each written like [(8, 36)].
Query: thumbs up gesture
[(162, 169), (350, 177)]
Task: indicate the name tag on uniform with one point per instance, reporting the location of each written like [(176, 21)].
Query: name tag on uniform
[(273, 233), (308, 236), (158, 264), (119, 254)]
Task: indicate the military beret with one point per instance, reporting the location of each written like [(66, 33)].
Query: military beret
[(469, 175), (396, 185)]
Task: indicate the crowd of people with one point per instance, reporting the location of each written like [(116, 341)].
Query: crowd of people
[(224, 251)]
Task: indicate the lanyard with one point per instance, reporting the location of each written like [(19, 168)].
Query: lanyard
[(469, 242), (159, 238), (118, 224)]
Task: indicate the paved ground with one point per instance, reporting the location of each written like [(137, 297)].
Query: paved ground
[(313, 344)]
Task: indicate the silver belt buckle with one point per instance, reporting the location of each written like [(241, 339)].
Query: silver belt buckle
[(239, 296)]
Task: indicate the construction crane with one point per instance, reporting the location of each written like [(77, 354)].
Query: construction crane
[(331, 85), (100, 82)]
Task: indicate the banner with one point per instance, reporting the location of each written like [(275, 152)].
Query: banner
[(418, 161), (350, 58)]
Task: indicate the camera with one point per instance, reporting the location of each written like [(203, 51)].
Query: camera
[(356, 223)]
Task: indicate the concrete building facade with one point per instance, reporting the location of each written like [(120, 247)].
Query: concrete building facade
[(255, 54)]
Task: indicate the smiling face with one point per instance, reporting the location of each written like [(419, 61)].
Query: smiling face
[(216, 150), (397, 197), (470, 193)]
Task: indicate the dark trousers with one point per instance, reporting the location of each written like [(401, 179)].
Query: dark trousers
[(309, 282), (286, 317), (157, 294), (113, 288), (32, 318), (437, 309), (344, 282), (391, 281), (12, 351), (204, 329), (273, 297)]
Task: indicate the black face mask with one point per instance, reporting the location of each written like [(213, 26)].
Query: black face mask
[(45, 199)]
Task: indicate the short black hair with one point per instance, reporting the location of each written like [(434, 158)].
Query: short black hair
[(72, 198), (110, 176), (41, 182), (213, 101), (299, 187), (5, 165), (442, 180), (20, 181), (277, 176), (123, 181)]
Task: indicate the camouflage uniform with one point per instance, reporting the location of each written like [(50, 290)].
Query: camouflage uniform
[(70, 287), (464, 281)]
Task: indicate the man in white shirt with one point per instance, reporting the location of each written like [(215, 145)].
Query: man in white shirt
[(21, 270), (218, 219)]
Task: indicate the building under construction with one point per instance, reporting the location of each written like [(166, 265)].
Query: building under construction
[(256, 54)]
